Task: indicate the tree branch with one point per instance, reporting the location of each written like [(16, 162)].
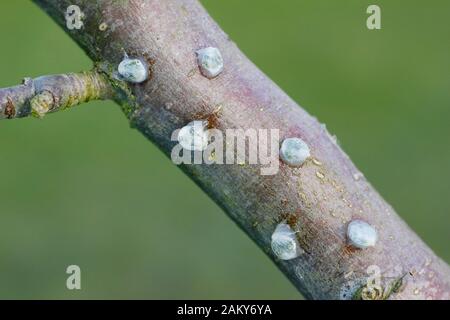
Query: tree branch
[(53, 93), (316, 200)]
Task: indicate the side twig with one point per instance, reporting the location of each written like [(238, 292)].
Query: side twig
[(52, 93)]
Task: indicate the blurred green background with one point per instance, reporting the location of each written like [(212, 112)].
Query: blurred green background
[(72, 188)]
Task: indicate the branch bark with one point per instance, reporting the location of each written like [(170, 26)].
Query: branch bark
[(317, 200)]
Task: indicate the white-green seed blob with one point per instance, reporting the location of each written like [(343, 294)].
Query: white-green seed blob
[(361, 234), (194, 136), (284, 243), (210, 62), (133, 70), (294, 151)]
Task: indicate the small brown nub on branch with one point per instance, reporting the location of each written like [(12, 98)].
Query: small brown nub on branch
[(10, 110)]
